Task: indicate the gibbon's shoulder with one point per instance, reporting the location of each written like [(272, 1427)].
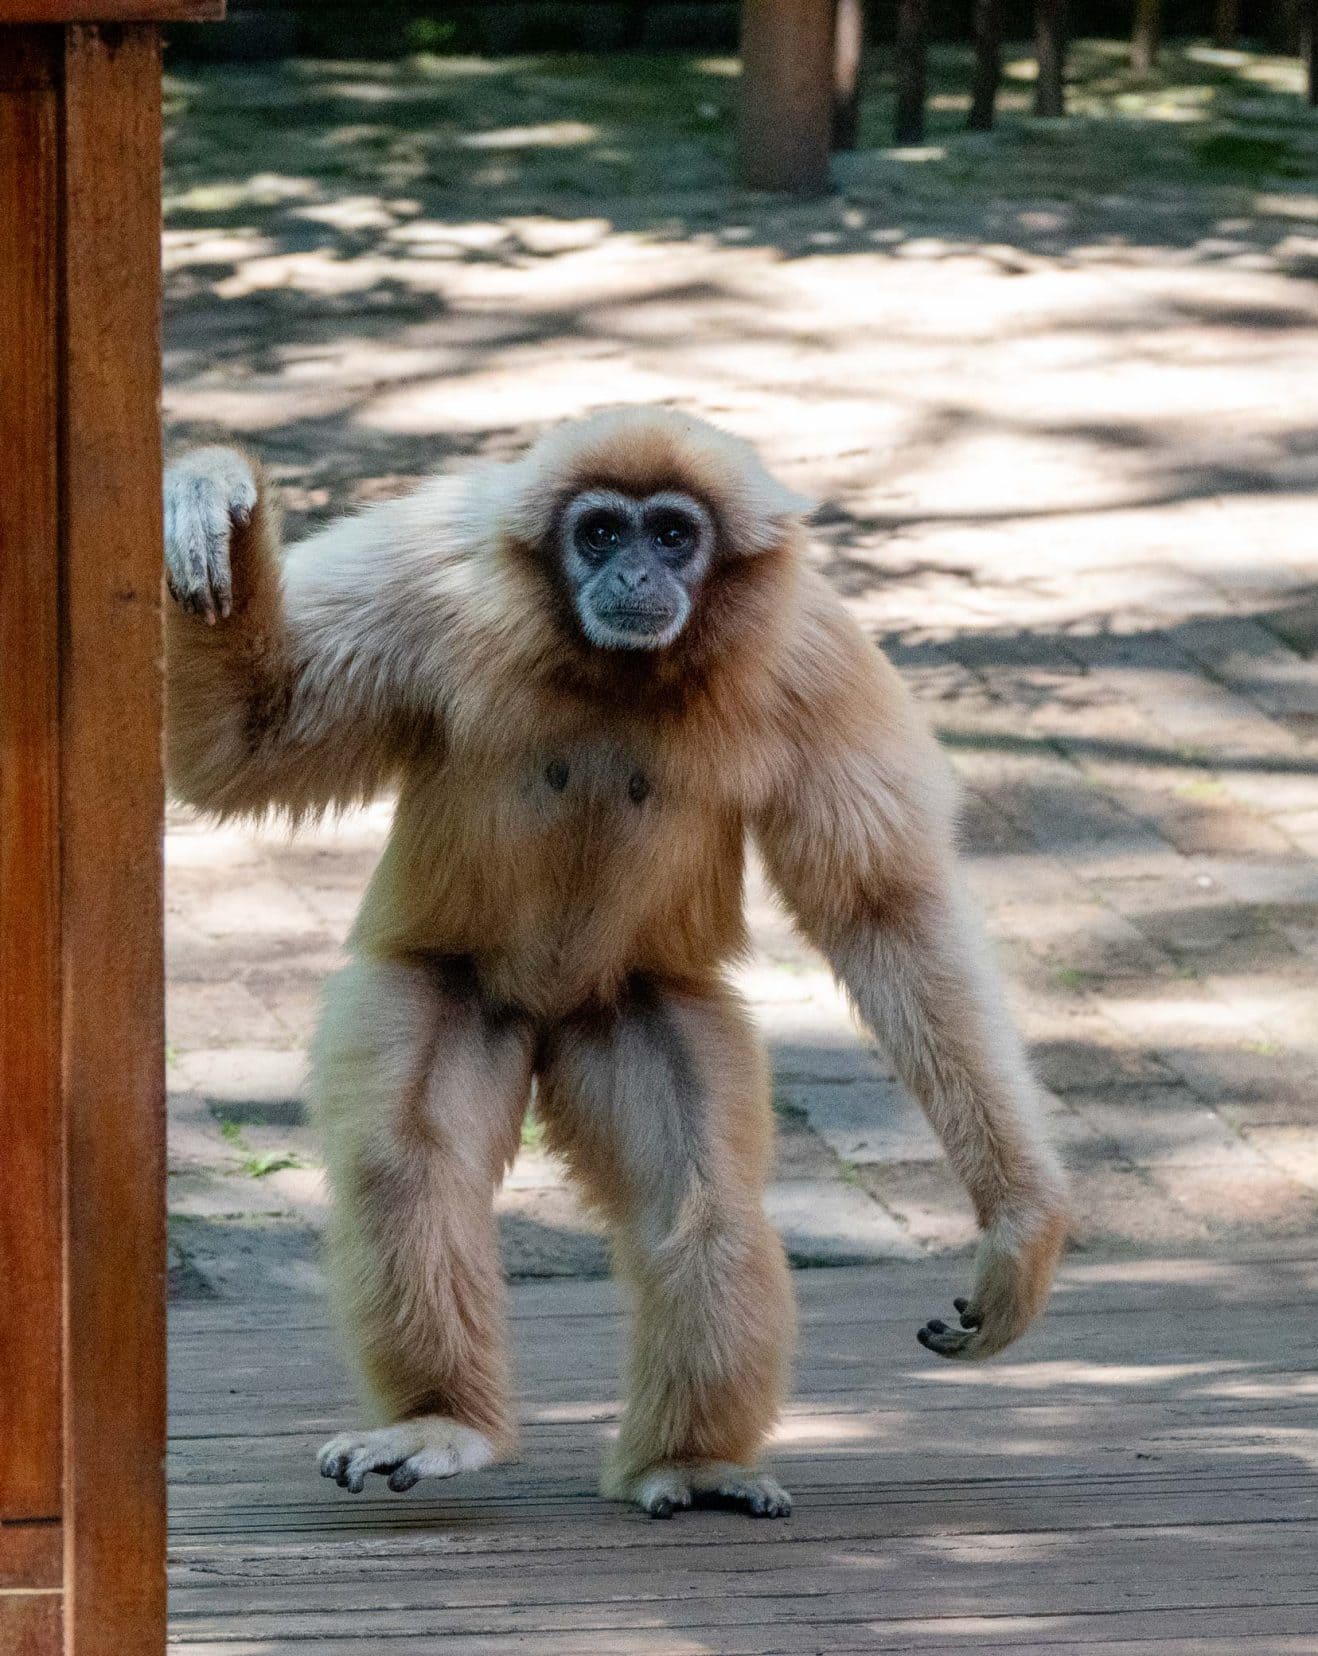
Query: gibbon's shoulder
[(428, 563), (841, 707), (828, 666)]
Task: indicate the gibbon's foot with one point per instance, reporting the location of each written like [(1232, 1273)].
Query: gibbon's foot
[(431, 1446), (206, 494), (664, 1490)]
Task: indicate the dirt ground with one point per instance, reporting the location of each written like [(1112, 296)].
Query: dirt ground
[(1056, 391)]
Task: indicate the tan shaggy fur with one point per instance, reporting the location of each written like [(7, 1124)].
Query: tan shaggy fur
[(574, 932)]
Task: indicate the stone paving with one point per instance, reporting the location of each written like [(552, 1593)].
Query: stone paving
[(1066, 478)]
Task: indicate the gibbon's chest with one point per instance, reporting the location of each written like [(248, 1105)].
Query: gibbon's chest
[(561, 866), (597, 787)]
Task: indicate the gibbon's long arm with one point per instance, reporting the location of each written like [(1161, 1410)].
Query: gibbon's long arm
[(859, 842), (295, 683)]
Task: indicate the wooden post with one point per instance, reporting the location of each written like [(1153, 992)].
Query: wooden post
[(82, 1225), (786, 94)]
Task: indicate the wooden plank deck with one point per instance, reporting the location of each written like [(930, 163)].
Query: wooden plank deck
[(1142, 1478)]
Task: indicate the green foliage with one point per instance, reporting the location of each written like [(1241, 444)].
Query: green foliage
[(1249, 155), (271, 1161)]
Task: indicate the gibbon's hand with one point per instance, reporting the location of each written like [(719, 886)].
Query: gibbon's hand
[(1014, 1270), (207, 493)]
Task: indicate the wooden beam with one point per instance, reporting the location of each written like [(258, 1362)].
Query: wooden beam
[(111, 819), (29, 1623), (111, 11), (786, 94), (31, 1213), (82, 1120)]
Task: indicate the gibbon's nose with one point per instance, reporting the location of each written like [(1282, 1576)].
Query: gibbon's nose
[(633, 579)]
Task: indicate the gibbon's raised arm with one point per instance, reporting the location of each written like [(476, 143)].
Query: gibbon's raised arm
[(298, 683), (859, 841)]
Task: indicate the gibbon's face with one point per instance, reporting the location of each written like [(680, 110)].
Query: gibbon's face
[(634, 566)]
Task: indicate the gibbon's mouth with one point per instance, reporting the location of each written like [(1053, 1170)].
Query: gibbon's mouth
[(640, 619)]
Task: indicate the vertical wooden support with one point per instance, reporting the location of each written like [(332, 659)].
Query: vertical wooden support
[(82, 1240), (786, 94), (111, 816), (31, 1212)]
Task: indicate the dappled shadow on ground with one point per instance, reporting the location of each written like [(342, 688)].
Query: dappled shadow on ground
[(1056, 389), (1138, 1470), (1213, 157)]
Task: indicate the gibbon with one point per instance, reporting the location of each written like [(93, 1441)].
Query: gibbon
[(590, 674)]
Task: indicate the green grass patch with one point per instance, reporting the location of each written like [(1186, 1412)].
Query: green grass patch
[(1248, 155)]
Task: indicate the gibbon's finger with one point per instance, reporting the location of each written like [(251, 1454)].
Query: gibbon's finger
[(944, 1341), (755, 1493), (219, 577)]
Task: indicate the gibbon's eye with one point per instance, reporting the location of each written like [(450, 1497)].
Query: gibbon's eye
[(674, 534), (599, 533)]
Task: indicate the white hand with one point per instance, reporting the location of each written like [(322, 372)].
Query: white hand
[(206, 494)]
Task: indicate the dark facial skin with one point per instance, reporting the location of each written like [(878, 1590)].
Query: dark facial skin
[(634, 566)]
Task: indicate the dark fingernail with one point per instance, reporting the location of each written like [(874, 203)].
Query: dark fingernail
[(960, 1304), (662, 1509), (935, 1326)]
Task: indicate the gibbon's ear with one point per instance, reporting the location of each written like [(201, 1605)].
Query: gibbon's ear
[(643, 451)]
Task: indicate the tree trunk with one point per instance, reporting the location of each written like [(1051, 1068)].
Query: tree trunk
[(1287, 17), (786, 94), (1144, 36), (1311, 50), (912, 16), (988, 64), (848, 49), (1226, 23), (1050, 47)]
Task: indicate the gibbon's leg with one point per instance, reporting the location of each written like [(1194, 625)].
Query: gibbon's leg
[(662, 1109), (420, 1089)]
